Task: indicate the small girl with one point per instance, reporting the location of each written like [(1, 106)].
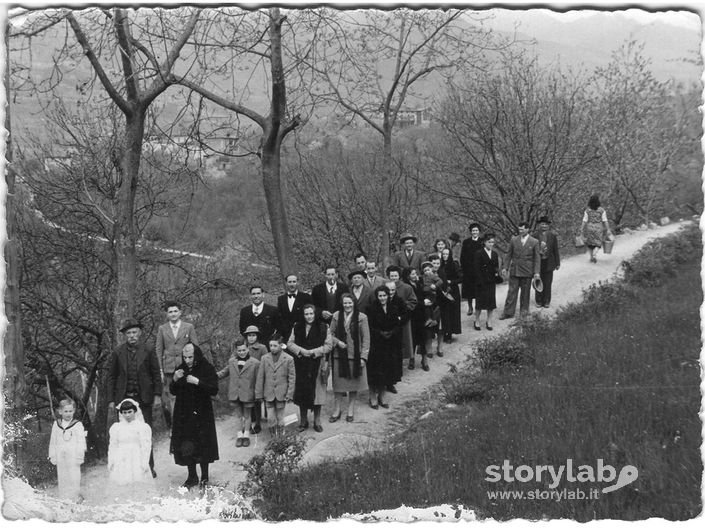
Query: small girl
[(130, 445), (242, 370), (275, 383), (67, 448), (257, 350)]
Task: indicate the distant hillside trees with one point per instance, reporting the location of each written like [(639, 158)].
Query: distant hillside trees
[(376, 65), (640, 127), (513, 143)]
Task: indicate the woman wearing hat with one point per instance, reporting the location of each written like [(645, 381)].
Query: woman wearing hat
[(471, 245)]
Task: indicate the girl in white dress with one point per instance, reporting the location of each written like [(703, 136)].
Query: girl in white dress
[(130, 445), (67, 448)]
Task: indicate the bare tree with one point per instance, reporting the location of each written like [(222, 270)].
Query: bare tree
[(639, 128), (237, 42), (376, 66), (513, 144)]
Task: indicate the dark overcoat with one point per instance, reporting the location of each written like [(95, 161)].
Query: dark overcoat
[(193, 436), (385, 344), (149, 376)]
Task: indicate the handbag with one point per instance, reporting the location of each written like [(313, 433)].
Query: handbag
[(498, 278), (579, 241)]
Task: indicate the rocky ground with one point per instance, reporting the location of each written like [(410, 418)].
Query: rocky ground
[(164, 500)]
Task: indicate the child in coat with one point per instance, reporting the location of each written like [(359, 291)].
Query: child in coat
[(432, 285), (67, 448), (275, 383), (242, 370), (257, 350)]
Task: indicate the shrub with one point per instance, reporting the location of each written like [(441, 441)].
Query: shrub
[(508, 351), (281, 457)]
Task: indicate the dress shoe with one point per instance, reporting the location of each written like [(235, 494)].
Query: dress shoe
[(374, 405), (412, 364), (190, 483), (424, 366), (245, 442), (203, 483), (476, 326), (384, 405), (505, 316), (546, 305), (349, 418), (238, 442), (256, 429), (154, 473), (334, 418), (317, 428), (303, 426), (488, 327), (439, 353), (392, 389), (429, 355)]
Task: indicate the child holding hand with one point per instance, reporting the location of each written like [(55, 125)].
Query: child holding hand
[(242, 370), (67, 448), (275, 383)]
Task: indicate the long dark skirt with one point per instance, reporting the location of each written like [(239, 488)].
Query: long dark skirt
[(450, 313), (486, 297), (382, 363), (307, 371)]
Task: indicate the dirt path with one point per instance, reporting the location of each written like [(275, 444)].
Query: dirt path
[(371, 427)]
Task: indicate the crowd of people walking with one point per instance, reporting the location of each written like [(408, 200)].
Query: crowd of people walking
[(357, 333)]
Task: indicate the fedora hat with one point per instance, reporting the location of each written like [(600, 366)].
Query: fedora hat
[(407, 236), (130, 323), (537, 284), (252, 329), (544, 220), (356, 272)]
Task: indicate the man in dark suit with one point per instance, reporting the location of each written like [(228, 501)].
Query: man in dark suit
[(523, 263), (326, 295), (260, 314), (172, 336), (408, 257), (133, 372), (291, 306), (550, 260)]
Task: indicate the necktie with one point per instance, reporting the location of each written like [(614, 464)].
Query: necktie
[(331, 289)]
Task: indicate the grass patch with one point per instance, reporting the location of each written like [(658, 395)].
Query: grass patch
[(615, 378)]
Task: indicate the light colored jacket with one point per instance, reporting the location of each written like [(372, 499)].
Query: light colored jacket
[(523, 260), (241, 386), (169, 349), (364, 337), (276, 380)]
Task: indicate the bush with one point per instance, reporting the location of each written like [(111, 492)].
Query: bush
[(509, 351)]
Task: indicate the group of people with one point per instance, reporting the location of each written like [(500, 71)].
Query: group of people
[(356, 332)]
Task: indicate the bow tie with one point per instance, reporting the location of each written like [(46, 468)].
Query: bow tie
[(291, 295)]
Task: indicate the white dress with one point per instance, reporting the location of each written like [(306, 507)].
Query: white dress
[(67, 448), (128, 451)]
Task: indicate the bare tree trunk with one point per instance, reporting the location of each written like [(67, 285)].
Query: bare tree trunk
[(14, 383), (387, 191), (125, 236), (271, 180)]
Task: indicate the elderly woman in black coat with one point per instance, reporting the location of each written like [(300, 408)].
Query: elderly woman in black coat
[(193, 436)]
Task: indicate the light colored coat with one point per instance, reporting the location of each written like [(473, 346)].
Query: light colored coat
[(276, 380), (169, 348), (523, 260), (364, 330), (241, 386)]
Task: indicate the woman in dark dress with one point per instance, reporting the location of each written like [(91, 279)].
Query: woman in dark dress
[(486, 266), (418, 328), (385, 342), (193, 436), (309, 344), (450, 308), (470, 246)]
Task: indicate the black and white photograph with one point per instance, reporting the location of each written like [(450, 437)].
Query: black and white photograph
[(358, 262)]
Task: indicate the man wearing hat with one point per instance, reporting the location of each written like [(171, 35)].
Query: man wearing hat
[(361, 292), (550, 260), (408, 257), (523, 263), (133, 372), (260, 314), (470, 247)]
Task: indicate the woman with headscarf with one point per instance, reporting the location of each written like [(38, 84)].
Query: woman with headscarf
[(351, 347), (309, 344), (193, 435)]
